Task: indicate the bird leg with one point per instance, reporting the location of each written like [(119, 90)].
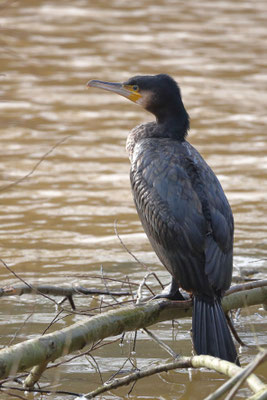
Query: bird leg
[(170, 292)]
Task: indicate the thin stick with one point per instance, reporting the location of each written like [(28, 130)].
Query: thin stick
[(105, 283), (234, 332), (22, 280), (134, 257), (44, 156), (174, 355)]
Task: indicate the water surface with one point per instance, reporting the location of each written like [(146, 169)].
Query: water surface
[(57, 226)]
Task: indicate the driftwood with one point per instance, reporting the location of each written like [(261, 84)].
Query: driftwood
[(38, 352)]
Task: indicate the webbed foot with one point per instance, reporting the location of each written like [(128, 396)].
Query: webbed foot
[(171, 292)]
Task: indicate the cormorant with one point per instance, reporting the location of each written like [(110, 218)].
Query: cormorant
[(182, 207)]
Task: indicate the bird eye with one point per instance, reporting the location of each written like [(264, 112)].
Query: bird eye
[(135, 88)]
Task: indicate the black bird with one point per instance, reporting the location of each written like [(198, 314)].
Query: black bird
[(182, 207)]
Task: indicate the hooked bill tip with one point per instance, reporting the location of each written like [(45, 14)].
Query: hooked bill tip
[(90, 83)]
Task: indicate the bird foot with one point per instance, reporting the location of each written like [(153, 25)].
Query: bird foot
[(172, 293)]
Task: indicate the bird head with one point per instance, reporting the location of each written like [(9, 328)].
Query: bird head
[(158, 94)]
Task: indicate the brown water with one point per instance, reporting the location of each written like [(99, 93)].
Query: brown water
[(58, 225)]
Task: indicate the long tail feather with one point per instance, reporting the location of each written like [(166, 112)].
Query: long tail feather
[(211, 334)]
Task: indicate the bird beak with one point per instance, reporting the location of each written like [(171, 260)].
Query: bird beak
[(119, 88)]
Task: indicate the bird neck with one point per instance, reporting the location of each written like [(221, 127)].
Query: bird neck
[(174, 125)]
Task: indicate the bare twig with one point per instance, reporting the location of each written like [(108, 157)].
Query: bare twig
[(20, 329), (128, 359), (22, 280), (130, 287), (134, 342), (233, 330), (13, 395), (54, 320), (36, 390), (134, 257), (105, 283), (126, 248), (95, 365), (139, 297), (93, 347), (44, 156), (174, 355)]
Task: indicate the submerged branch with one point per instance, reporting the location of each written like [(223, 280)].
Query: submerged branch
[(19, 290)]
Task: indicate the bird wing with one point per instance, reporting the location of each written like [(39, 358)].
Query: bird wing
[(170, 210), (219, 243), (170, 204)]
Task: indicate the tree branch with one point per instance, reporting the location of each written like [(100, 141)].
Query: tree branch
[(19, 290), (51, 346), (213, 363)]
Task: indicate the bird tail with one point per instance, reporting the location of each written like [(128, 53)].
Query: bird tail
[(211, 334)]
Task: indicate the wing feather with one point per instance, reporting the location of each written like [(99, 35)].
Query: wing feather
[(184, 212)]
